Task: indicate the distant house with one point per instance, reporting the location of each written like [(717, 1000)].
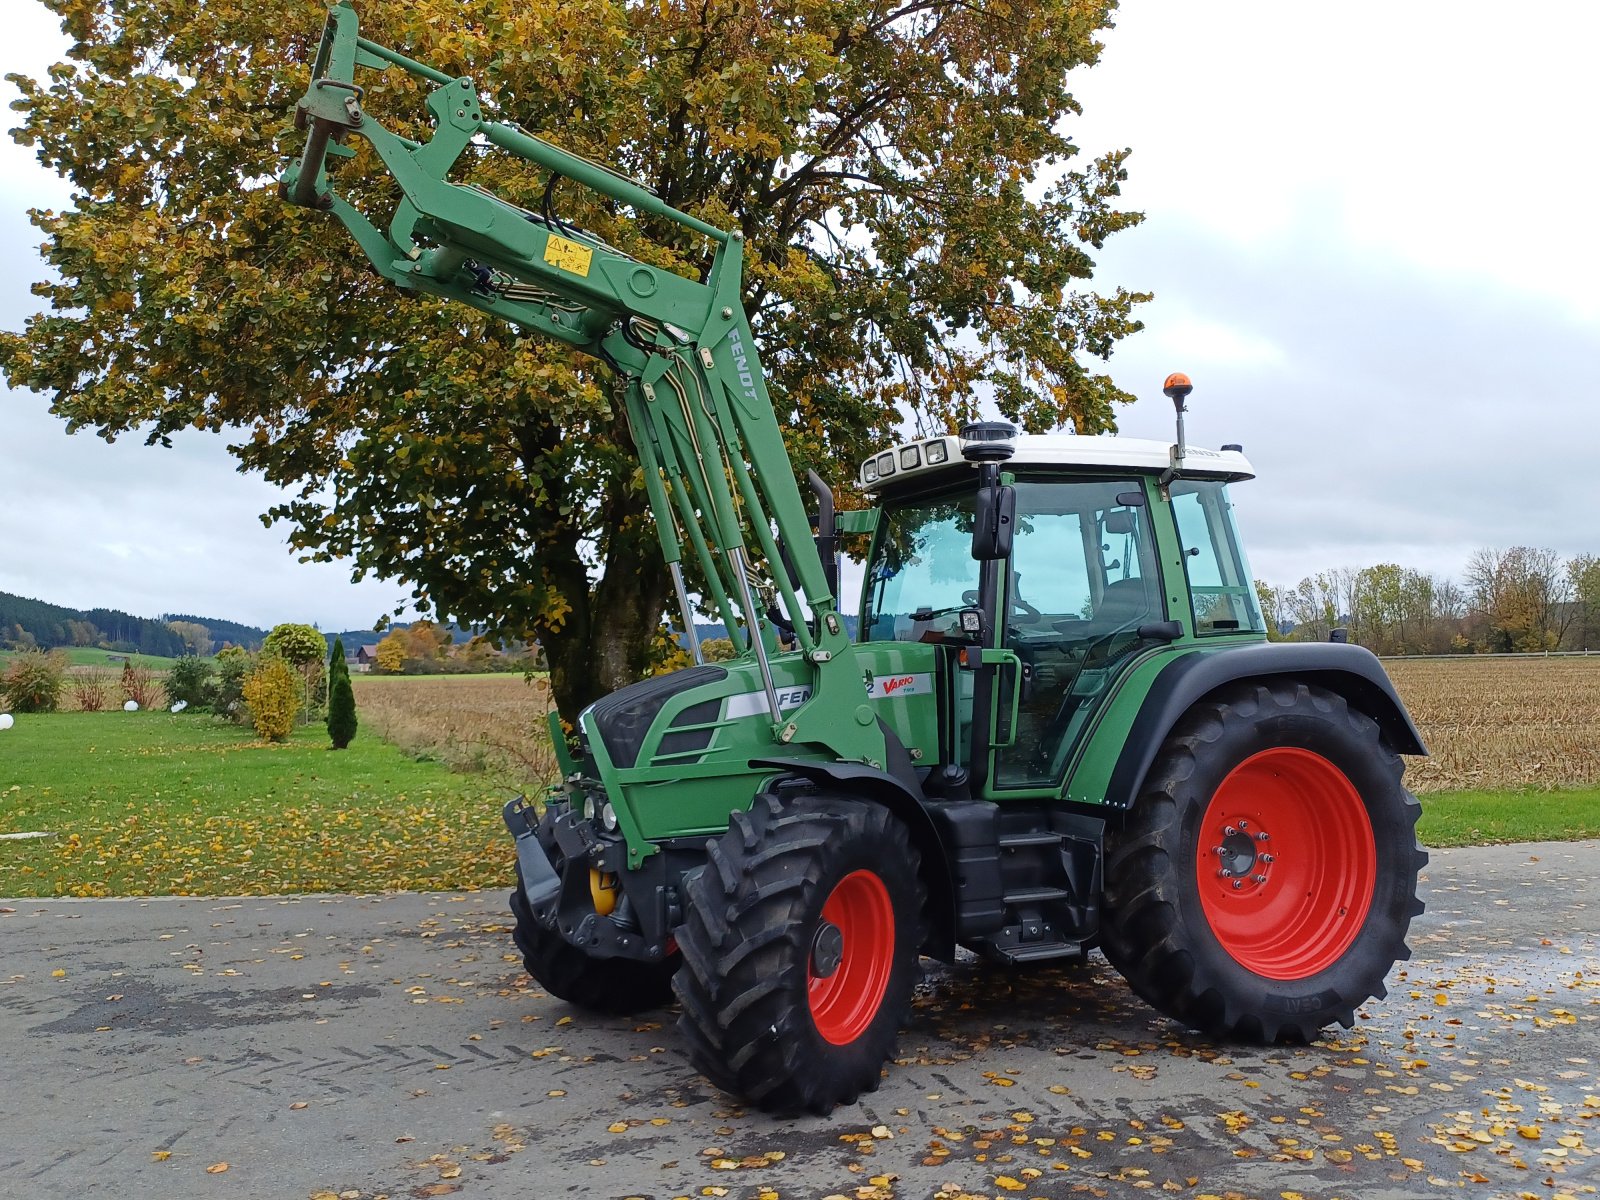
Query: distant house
[(361, 661)]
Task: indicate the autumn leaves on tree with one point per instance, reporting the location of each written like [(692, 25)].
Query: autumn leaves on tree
[(918, 224)]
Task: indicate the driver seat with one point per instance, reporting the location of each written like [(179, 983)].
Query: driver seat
[(1124, 603)]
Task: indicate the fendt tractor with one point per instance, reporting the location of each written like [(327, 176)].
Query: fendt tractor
[(1059, 724)]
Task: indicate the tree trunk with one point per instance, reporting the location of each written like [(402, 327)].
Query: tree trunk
[(606, 640), (609, 646)]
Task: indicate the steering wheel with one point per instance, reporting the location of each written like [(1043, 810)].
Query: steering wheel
[(1019, 606)]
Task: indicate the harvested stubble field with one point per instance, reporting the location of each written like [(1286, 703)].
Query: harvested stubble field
[(493, 725), (1493, 724), (1499, 724)]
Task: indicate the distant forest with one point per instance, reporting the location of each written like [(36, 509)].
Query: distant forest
[(27, 624)]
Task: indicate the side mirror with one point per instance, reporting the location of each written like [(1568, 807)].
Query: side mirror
[(995, 516)]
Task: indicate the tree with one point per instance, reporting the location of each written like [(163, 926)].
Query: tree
[(341, 699), (1519, 598), (1583, 584), (918, 230), (717, 649), (1274, 602), (391, 653), (302, 647), (196, 637), (1314, 607)]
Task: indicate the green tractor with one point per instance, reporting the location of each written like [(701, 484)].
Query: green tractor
[(1058, 725)]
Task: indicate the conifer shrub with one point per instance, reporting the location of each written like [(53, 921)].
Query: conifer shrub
[(341, 700), (272, 692)]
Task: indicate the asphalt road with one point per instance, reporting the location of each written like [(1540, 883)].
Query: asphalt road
[(391, 1046)]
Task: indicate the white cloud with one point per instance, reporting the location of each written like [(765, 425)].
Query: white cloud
[(1451, 135)]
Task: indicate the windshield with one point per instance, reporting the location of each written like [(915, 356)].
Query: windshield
[(922, 567)]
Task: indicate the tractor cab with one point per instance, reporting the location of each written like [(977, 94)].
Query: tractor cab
[(1110, 560)]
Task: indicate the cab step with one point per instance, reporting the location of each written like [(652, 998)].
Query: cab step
[(1037, 895)]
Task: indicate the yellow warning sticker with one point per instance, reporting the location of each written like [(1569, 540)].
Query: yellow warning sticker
[(568, 255)]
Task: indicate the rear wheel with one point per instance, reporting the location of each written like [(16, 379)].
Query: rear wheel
[(800, 945), (603, 985), (1267, 875)]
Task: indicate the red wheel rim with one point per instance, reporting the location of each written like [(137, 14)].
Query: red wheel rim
[(844, 1001), (1286, 863)]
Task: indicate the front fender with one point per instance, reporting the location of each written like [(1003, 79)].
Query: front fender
[(1353, 672)]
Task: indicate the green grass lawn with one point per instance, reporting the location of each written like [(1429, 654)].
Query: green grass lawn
[(155, 804), (1476, 818), (92, 656)]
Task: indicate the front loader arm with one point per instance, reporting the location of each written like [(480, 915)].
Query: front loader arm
[(715, 468)]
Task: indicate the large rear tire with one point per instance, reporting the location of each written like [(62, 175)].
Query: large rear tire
[(1264, 882), (800, 944), (614, 986)]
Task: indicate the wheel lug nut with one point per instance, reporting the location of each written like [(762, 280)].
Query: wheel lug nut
[(1259, 878), (1243, 824), (1225, 873), (1267, 858), (1238, 883), (1219, 851), (1228, 831), (1261, 837)]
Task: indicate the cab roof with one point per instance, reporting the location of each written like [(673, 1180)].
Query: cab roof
[(927, 460)]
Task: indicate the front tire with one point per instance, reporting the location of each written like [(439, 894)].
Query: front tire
[(1264, 882), (800, 945), (613, 986)]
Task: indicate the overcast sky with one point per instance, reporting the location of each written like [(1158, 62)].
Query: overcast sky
[(1370, 231)]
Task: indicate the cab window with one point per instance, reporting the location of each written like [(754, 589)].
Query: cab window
[(1220, 586), (922, 572)]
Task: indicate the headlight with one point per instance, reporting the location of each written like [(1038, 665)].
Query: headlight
[(936, 452), (589, 807), (608, 818), (886, 463), (869, 471), (910, 458)]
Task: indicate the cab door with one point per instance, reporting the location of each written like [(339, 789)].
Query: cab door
[(1081, 583)]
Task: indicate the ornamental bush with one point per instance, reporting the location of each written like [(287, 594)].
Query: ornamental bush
[(234, 664), (33, 682), (190, 681), (273, 693)]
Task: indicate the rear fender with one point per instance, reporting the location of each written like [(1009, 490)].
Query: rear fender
[(900, 798), (1350, 671)]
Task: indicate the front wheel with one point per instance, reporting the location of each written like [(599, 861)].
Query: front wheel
[(1265, 879), (800, 943), (614, 986)]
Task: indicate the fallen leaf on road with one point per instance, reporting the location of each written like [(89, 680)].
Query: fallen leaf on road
[(216, 1168)]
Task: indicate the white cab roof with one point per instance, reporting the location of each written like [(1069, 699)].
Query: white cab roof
[(910, 461)]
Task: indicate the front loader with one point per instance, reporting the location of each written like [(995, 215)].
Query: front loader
[(1058, 725)]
